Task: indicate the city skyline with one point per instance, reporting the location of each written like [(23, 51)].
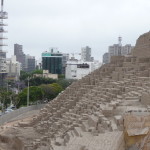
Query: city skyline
[(71, 25)]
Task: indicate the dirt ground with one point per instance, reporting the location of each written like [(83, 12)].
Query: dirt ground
[(10, 132)]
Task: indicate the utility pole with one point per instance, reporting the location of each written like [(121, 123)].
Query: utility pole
[(7, 86), (18, 88), (28, 92)]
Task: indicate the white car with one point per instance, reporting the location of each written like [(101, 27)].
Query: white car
[(8, 110)]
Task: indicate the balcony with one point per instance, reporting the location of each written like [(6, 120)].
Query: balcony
[(3, 45), (3, 15), (2, 30), (3, 38)]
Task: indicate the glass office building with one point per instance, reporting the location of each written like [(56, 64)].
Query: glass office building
[(52, 62)]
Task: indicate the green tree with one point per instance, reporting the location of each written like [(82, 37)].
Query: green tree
[(15, 99), (64, 83), (35, 94), (37, 72), (36, 81), (57, 88), (5, 98), (61, 76), (50, 91), (24, 75)]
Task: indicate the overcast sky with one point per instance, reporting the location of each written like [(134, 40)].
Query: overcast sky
[(72, 24)]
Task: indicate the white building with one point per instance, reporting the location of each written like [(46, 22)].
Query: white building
[(65, 58), (76, 69), (13, 68), (126, 49), (86, 54)]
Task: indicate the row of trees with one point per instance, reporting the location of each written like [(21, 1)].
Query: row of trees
[(6, 98), (41, 89), (24, 75), (39, 93)]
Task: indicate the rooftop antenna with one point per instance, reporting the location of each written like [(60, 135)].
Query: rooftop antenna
[(120, 40)]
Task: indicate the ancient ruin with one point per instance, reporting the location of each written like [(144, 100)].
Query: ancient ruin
[(108, 109)]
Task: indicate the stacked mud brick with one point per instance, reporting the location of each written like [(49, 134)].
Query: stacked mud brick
[(92, 109)]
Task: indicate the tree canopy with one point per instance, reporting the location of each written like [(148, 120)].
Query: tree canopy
[(36, 81), (51, 90), (5, 98), (24, 75), (35, 94), (40, 88)]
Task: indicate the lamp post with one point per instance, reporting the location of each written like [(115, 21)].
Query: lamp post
[(28, 92)]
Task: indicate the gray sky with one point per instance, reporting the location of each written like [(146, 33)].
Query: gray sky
[(72, 24)]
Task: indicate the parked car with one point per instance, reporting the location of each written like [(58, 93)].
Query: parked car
[(8, 110), (13, 107), (1, 113)]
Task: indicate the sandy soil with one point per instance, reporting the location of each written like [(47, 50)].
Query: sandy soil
[(9, 133)]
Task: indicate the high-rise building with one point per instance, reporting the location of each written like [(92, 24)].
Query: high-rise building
[(126, 49), (65, 58), (38, 64), (86, 54), (27, 61), (114, 50), (118, 50), (52, 61), (30, 63), (3, 71), (20, 56), (13, 68), (106, 58)]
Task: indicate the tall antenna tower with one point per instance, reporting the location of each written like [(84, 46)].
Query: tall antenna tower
[(120, 40), (3, 73), (120, 45)]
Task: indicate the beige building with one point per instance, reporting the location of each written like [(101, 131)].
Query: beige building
[(46, 74)]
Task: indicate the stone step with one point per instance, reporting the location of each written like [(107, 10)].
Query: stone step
[(131, 98), (77, 131)]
